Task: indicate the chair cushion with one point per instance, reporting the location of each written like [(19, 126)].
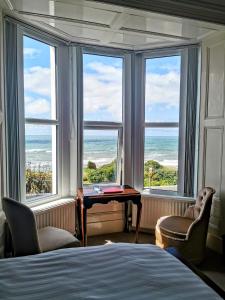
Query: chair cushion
[(51, 238), (174, 226), (192, 212), (195, 211)]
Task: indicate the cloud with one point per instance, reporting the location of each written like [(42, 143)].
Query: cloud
[(38, 80), (103, 90), (31, 52), (170, 67), (163, 88), (36, 107)]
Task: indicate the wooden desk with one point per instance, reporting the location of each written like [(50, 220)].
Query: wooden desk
[(87, 197)]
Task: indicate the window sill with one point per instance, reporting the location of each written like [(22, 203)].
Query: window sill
[(148, 194), (49, 203)]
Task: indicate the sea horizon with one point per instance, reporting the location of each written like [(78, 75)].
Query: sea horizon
[(102, 150)]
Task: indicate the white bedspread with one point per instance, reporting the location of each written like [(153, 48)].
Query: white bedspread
[(117, 271)]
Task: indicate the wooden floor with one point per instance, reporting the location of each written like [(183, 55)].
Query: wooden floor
[(121, 237), (213, 266)]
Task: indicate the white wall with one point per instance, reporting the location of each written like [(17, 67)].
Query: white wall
[(212, 135), (1, 133), (1, 113)]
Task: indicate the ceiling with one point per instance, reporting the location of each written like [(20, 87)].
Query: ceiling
[(109, 25), (205, 10)]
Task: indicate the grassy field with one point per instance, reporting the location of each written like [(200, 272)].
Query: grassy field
[(39, 180)]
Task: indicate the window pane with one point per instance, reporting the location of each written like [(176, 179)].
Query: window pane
[(40, 147), (161, 158), (100, 155), (162, 90), (102, 81), (39, 79)]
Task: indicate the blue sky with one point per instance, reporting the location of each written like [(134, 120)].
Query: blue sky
[(38, 55), (37, 84), (102, 83), (103, 86), (162, 89)]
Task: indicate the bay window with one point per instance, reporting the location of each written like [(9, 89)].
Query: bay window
[(111, 116), (41, 120), (165, 114), (103, 118), (162, 110)]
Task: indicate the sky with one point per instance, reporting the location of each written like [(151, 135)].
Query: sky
[(102, 83), (37, 79)]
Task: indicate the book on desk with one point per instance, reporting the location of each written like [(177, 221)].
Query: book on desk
[(108, 189)]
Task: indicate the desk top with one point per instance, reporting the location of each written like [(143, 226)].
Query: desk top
[(96, 191), (90, 195)]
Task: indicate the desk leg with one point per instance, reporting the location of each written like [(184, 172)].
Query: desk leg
[(78, 219), (126, 227), (84, 226), (139, 209)]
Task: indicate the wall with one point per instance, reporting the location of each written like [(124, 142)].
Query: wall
[(212, 135), (1, 133), (1, 108)]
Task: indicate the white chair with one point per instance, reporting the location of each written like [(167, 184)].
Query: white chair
[(26, 238)]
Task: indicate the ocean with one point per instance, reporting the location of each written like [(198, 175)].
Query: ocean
[(102, 150)]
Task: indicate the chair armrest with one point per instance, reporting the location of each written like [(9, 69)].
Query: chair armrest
[(174, 238), (191, 228)]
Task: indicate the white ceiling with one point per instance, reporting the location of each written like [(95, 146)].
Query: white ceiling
[(110, 25)]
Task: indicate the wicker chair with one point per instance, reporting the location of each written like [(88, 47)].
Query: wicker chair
[(26, 238), (188, 233)]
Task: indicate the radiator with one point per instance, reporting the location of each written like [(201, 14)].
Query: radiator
[(154, 207), (60, 214), (101, 219)]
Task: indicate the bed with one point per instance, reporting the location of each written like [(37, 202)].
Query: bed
[(114, 271)]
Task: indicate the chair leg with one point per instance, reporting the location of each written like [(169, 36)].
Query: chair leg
[(8, 249)]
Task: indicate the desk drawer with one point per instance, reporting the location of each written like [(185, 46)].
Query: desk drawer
[(105, 218)]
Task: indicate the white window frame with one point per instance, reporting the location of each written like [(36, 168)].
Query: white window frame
[(101, 125), (108, 125), (162, 54), (141, 125), (58, 122), (76, 116)]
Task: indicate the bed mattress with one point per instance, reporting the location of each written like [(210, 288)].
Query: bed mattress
[(114, 271)]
